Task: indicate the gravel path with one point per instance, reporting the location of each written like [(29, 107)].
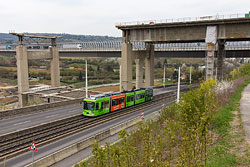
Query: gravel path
[(245, 111)]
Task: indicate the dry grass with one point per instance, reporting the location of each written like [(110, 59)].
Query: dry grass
[(30, 69), (230, 147), (8, 100)]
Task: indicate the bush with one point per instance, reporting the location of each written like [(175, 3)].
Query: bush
[(242, 71), (179, 138)]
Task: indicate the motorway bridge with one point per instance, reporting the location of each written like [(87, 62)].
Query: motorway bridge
[(110, 49), (143, 42)]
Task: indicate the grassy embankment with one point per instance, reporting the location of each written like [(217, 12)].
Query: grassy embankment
[(230, 149)]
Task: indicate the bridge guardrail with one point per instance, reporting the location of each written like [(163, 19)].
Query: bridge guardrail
[(179, 20)]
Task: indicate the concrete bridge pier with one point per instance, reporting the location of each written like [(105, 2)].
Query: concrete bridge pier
[(22, 57), (220, 58), (139, 71), (120, 64), (210, 61), (126, 66), (54, 65), (211, 38), (22, 74), (149, 65)]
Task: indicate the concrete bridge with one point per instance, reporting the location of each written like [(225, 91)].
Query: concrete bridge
[(212, 32), (113, 49), (142, 43)]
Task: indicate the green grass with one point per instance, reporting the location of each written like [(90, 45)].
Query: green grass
[(219, 154), (166, 83), (8, 81)]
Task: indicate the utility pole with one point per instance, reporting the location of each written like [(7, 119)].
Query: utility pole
[(190, 77), (164, 76), (179, 84), (86, 78), (216, 73)]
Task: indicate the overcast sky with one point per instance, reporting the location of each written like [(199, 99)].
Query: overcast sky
[(98, 17)]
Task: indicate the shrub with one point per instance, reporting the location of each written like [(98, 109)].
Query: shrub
[(178, 138)]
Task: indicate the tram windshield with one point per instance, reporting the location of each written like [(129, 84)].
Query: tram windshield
[(88, 105)]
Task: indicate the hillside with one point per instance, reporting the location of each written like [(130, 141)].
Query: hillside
[(10, 39)]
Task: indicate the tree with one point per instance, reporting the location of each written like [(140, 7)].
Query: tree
[(175, 75), (98, 68), (158, 64), (109, 68), (80, 76), (165, 61)]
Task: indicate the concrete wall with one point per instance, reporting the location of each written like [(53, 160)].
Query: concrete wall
[(37, 108), (54, 90), (74, 93), (55, 101)]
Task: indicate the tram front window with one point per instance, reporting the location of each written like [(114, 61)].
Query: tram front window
[(89, 105)]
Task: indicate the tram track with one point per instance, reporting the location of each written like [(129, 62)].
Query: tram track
[(15, 143)]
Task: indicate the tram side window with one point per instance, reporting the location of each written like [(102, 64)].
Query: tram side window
[(97, 106), (137, 96), (132, 98), (128, 99), (122, 100), (116, 101), (102, 105), (151, 92), (113, 103), (107, 104)]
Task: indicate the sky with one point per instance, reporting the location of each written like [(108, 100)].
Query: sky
[(99, 17)]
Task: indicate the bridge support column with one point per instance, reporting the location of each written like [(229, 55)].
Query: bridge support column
[(210, 61), (220, 59), (139, 72), (126, 67), (22, 74), (120, 64), (211, 37), (149, 65), (54, 66)]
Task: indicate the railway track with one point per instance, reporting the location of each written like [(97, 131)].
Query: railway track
[(15, 143)]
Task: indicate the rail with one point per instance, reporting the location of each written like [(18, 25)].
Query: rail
[(15, 143)]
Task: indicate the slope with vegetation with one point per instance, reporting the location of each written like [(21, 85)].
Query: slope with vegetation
[(204, 129)]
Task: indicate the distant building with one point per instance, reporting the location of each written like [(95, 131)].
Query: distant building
[(183, 76), (43, 67), (201, 68), (45, 87)]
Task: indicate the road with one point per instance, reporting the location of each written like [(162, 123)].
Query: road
[(27, 121)]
